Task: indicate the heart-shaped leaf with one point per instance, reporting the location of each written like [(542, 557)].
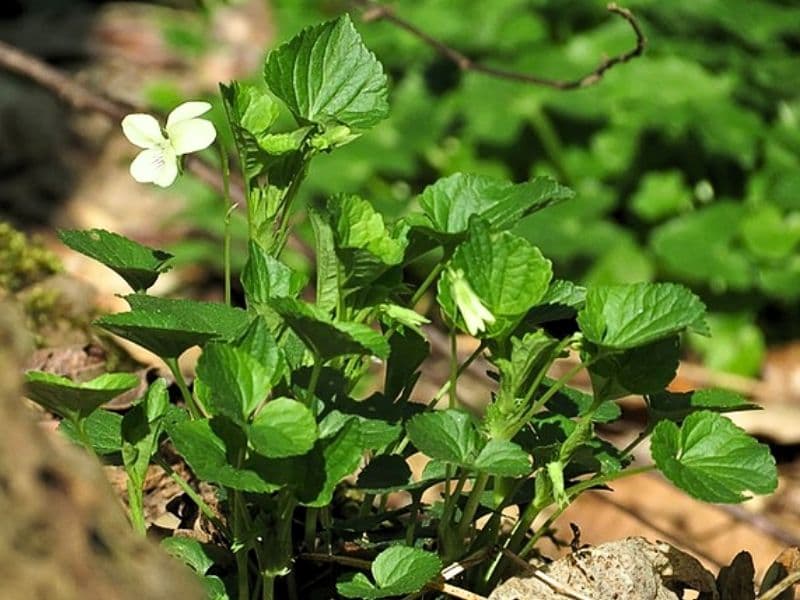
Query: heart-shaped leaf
[(620, 317), (712, 459), (398, 570)]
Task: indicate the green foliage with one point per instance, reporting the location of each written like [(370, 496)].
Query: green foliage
[(279, 419), (712, 459)]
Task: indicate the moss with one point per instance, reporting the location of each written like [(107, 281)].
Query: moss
[(23, 261)]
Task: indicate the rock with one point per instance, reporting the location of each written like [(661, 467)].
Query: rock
[(629, 569)]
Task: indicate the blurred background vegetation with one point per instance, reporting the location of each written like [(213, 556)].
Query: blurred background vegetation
[(686, 162)]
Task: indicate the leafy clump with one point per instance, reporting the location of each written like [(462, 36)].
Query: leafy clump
[(278, 418)]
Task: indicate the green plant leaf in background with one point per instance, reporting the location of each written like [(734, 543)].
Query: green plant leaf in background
[(620, 317), (137, 264), (327, 76), (712, 459), (72, 399), (169, 327), (398, 570), (265, 277)]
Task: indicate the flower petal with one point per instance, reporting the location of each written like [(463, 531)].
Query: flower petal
[(186, 111), (155, 165), (142, 130), (191, 136)]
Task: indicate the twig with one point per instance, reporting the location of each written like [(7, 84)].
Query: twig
[(80, 97), (375, 11), (783, 585), (554, 584), (760, 522)]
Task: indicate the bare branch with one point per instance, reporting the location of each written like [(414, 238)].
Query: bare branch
[(80, 97), (375, 11)]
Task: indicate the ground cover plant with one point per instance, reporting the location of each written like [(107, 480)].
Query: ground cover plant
[(277, 415)]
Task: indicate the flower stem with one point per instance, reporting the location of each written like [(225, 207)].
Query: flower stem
[(229, 208), (191, 405), (136, 505), (472, 504), (427, 282)]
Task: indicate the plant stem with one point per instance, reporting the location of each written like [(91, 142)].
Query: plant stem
[(552, 391), (427, 282), (136, 505), (193, 495), (229, 208), (574, 491), (194, 410), (80, 430), (639, 439), (472, 504), (310, 531), (453, 367), (316, 370)]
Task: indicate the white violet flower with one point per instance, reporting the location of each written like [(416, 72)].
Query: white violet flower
[(476, 315), (184, 133)]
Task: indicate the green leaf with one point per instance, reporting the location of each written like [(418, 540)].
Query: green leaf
[(365, 247), (385, 473), (503, 459), (645, 369), (250, 112), (237, 381), (138, 265), (451, 202), (447, 435), (169, 327), (676, 406), (327, 283), (620, 317), (327, 338), (141, 428), (736, 344), (190, 552), (507, 272), (398, 570), (574, 403), (74, 400), (265, 277), (102, 428), (284, 427), (211, 448), (408, 351), (327, 76), (712, 459), (342, 454)]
